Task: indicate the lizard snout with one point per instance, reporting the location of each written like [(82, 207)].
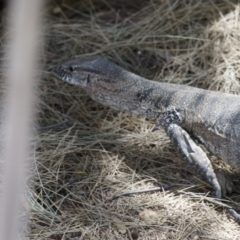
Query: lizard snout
[(69, 73), (62, 72)]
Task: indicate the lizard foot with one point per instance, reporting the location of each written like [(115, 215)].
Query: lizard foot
[(225, 183), (234, 214)]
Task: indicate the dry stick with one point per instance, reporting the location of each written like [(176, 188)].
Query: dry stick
[(144, 191), (230, 210)]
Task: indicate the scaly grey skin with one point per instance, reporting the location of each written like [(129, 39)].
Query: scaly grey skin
[(182, 111)]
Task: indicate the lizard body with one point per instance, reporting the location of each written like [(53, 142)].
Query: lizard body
[(183, 111)]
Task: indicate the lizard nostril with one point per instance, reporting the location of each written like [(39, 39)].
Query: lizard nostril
[(71, 69)]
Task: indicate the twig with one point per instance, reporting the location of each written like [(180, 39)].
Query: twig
[(143, 191)]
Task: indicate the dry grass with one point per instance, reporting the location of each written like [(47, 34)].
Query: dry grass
[(97, 153)]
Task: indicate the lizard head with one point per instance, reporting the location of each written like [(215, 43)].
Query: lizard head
[(103, 80), (84, 71)]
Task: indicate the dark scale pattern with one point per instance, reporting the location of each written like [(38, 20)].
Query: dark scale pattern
[(144, 94), (168, 117)]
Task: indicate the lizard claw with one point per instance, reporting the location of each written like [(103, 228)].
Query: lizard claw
[(234, 214), (225, 183)]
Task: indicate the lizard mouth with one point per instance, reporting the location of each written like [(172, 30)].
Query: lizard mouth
[(62, 73), (67, 74)]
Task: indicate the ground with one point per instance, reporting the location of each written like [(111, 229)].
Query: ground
[(85, 153)]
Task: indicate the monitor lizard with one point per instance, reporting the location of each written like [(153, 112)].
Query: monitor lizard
[(182, 111)]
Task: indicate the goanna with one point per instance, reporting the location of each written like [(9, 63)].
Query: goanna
[(182, 111)]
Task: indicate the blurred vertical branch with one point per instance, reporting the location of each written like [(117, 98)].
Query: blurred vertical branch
[(24, 28)]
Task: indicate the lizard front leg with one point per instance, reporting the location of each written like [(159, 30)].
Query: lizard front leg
[(192, 153)]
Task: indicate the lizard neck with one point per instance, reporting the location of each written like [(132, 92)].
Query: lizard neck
[(132, 94)]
